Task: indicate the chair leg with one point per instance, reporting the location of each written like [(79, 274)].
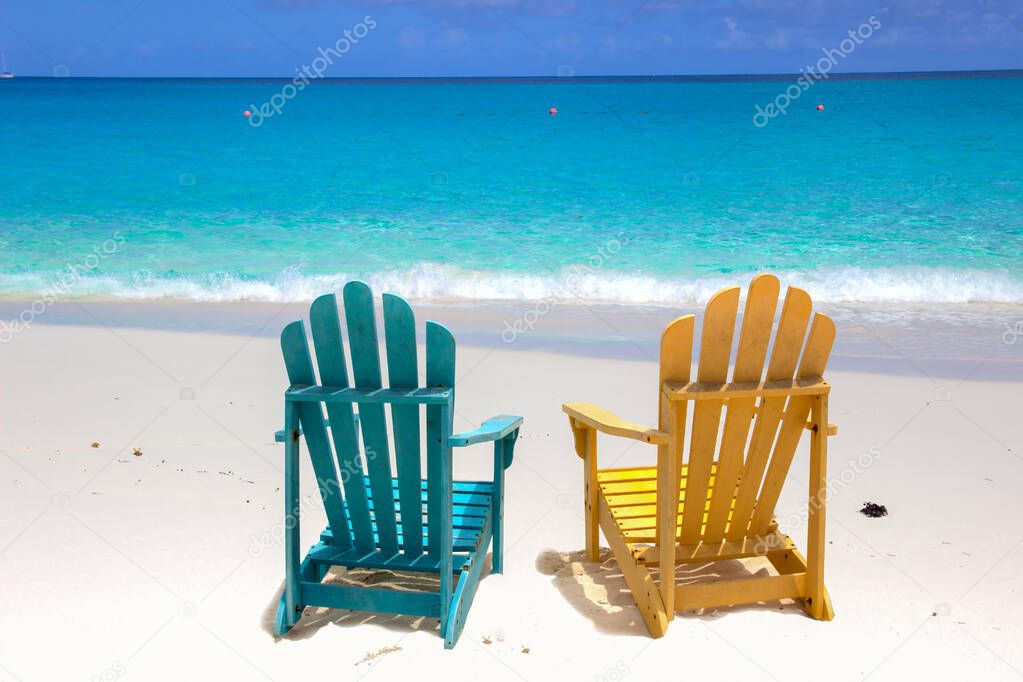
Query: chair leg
[(286, 617), (282, 624), (821, 609), (668, 484), (637, 576), (460, 603), (817, 602), (465, 591), (290, 608), (442, 540), (590, 491), (497, 506)]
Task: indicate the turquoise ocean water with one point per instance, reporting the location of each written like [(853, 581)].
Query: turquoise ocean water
[(901, 189)]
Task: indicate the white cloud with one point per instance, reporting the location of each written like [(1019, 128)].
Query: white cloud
[(411, 38), (565, 42), (735, 38), (451, 37), (148, 49)]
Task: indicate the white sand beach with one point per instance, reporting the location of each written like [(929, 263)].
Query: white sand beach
[(156, 555)]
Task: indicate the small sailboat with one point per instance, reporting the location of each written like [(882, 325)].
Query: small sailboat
[(4, 73)]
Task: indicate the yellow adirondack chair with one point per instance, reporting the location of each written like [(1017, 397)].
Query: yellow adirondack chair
[(717, 503)]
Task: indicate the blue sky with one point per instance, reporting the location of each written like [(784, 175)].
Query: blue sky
[(501, 37)]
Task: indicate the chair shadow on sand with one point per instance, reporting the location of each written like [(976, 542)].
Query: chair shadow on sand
[(315, 618), (597, 590)]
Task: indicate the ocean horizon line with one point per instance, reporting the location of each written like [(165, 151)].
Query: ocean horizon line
[(606, 78)]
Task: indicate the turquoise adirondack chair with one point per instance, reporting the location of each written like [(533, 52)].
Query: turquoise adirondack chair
[(377, 520)]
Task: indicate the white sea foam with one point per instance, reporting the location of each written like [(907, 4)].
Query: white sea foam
[(442, 282)]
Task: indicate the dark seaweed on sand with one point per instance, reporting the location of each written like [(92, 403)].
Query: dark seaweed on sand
[(874, 510)]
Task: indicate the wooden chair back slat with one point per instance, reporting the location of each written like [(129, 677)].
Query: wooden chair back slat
[(402, 372), (362, 339), (715, 351), (788, 342), (815, 358), (330, 359), (757, 325), (676, 365), (440, 373), (299, 366)]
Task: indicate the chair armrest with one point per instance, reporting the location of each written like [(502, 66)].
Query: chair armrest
[(279, 435), (607, 422), (492, 429)]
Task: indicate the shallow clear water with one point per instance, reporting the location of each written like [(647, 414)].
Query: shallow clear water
[(900, 190)]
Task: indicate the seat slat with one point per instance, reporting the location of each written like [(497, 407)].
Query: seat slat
[(631, 474), (638, 511), (465, 510), (330, 358), (456, 486), (467, 521), (638, 474), (632, 487), (457, 521), (299, 366), (715, 351), (457, 509), (629, 521), (641, 527), (632, 499), (472, 497), (757, 324), (362, 339), (627, 487), (774, 546), (460, 542), (479, 499), (327, 553), (472, 520), (402, 372)]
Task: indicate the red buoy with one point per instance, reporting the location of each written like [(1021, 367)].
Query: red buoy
[(820, 107), (552, 111), (246, 113)]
